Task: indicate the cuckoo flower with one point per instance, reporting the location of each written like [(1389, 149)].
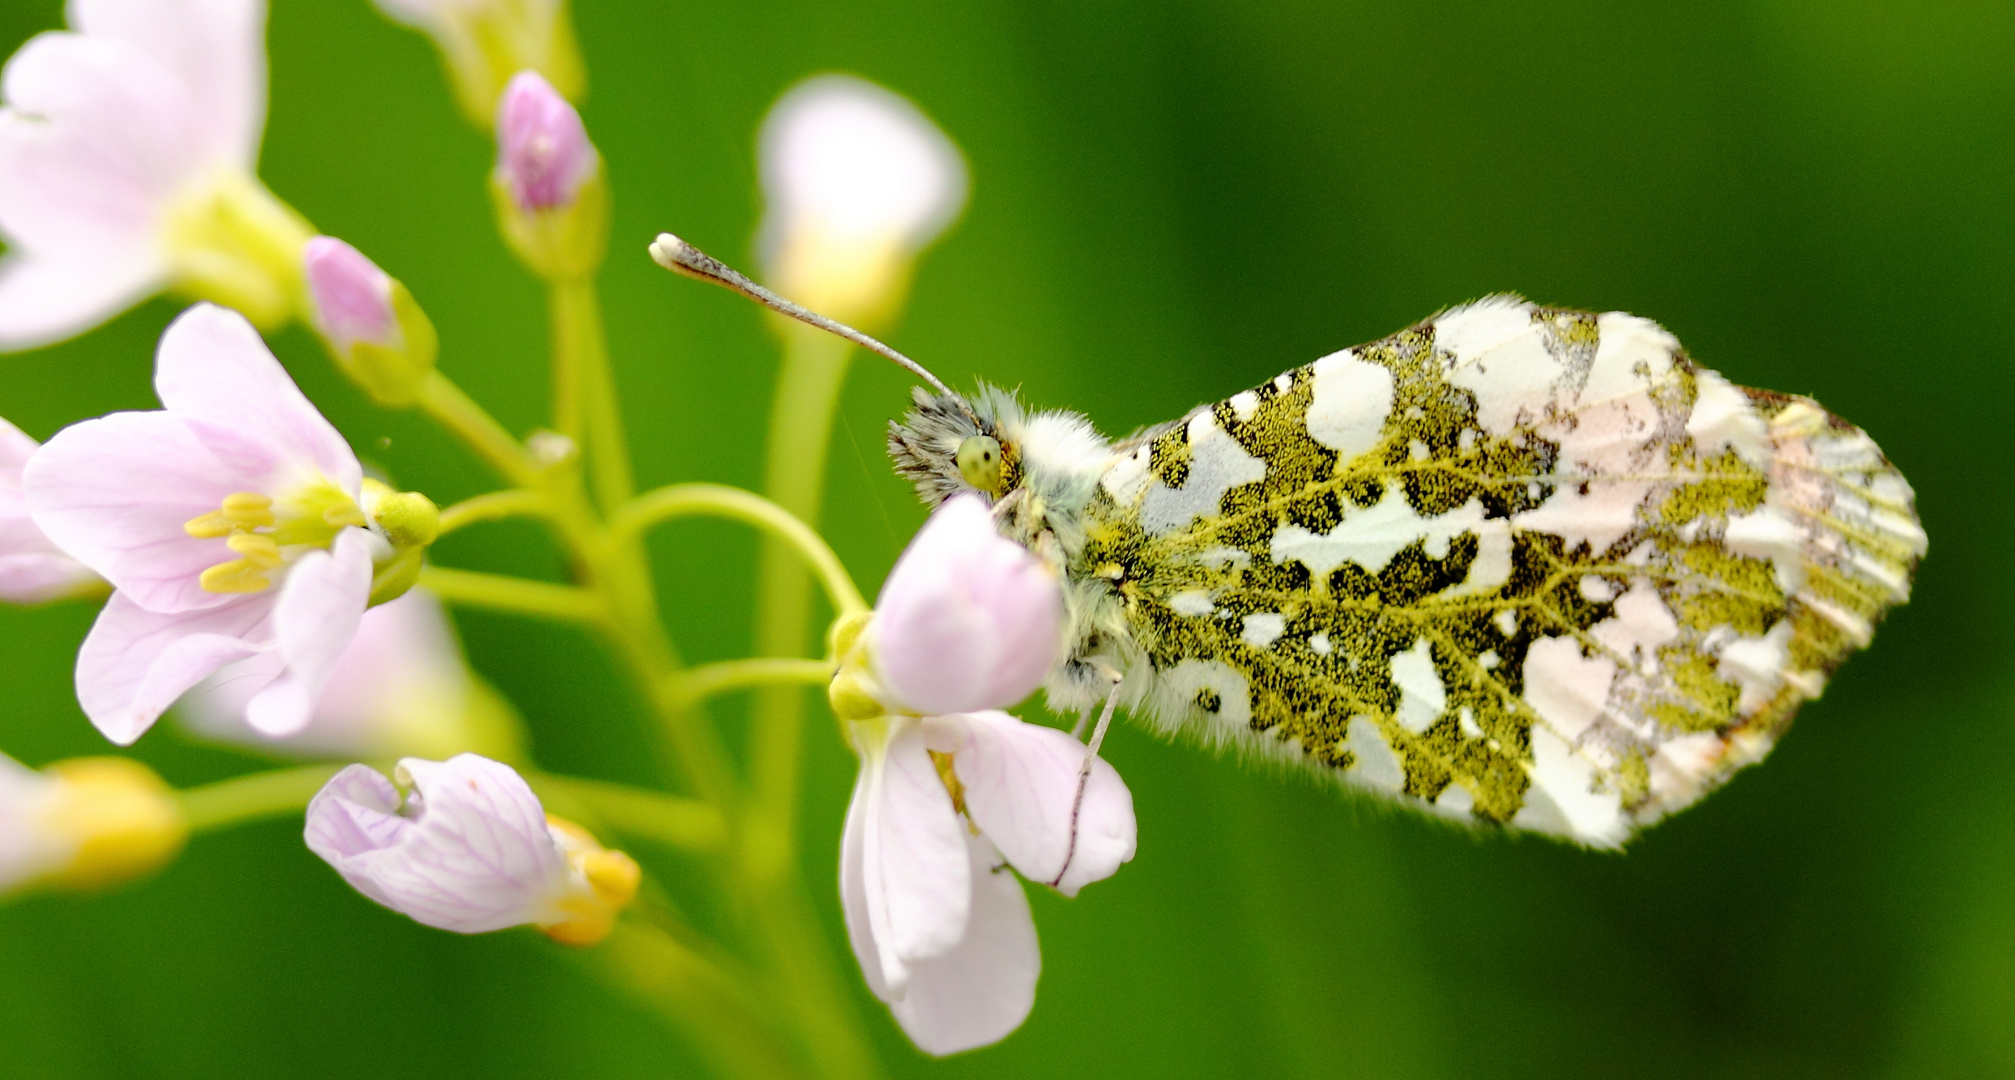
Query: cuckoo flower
[(967, 619), (400, 688), (32, 569), (942, 807), (127, 150), (469, 850), (857, 181), (229, 523), (85, 823), (485, 42), (951, 793)]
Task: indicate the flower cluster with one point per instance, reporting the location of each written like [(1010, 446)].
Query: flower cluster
[(259, 583)]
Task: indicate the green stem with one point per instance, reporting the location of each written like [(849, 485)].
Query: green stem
[(460, 414), (704, 682), (495, 506), (801, 422), (685, 824), (252, 798), (585, 389), (800, 544), (499, 592), (714, 1011)]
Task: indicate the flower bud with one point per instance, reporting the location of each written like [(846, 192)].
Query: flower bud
[(485, 42), (968, 619), (378, 335), (469, 849), (552, 203), (858, 181), (86, 823), (408, 522)]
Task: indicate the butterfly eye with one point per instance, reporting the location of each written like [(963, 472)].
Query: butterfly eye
[(980, 463)]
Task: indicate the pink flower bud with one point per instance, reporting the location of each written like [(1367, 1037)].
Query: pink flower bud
[(352, 297), (543, 152), (968, 619)]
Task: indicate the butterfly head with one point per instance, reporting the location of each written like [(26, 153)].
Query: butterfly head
[(949, 444)]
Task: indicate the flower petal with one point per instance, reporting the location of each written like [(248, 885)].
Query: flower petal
[(967, 619), (357, 811), (115, 492), (853, 158), (982, 990), (1020, 784), (854, 888), (135, 662), (44, 301), (216, 48), (400, 688), (315, 618), (214, 371), (914, 865), (96, 138), (477, 856)]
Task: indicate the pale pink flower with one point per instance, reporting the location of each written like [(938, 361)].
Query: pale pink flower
[(941, 929), (127, 154), (968, 619), (469, 849), (856, 181), (543, 152), (400, 688), (228, 523), (32, 569)]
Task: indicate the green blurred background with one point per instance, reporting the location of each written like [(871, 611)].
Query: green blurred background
[(1174, 200)]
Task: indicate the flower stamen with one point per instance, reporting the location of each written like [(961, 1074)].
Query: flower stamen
[(241, 512)]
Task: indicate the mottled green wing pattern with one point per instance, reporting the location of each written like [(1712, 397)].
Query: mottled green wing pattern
[(1519, 564)]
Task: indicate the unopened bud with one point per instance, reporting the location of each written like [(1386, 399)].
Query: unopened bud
[(543, 152), (408, 518), (552, 202), (379, 337)]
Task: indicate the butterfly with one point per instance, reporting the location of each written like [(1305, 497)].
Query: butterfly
[(1516, 565)]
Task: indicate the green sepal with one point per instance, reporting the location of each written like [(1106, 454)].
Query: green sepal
[(393, 375), (561, 243), (397, 575)]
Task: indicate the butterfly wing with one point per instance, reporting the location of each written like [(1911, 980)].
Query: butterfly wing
[(1518, 564)]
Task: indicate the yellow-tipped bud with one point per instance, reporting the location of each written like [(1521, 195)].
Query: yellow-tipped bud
[(122, 821)]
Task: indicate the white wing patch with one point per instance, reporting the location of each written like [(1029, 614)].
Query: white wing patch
[(1217, 464), (1352, 400)]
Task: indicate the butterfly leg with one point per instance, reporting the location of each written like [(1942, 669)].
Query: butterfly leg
[(1084, 771)]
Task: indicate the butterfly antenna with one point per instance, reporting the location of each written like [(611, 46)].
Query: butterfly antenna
[(680, 257)]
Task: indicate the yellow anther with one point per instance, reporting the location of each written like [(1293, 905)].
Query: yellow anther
[(240, 512), (209, 526), (236, 576), (249, 506), (258, 550)]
